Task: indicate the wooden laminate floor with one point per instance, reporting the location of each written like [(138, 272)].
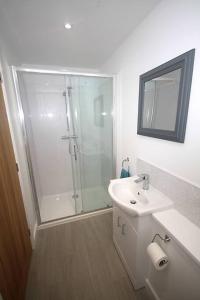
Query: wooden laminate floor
[(78, 261)]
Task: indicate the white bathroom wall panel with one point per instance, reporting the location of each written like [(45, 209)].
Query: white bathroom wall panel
[(171, 29)]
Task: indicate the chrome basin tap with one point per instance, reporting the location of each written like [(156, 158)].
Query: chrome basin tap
[(145, 178)]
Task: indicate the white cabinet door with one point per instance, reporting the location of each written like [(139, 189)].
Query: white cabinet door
[(126, 241), (130, 249), (117, 223)]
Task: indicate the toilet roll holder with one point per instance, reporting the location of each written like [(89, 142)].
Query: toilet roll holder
[(166, 238)]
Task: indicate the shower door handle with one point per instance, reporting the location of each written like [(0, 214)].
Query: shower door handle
[(75, 146), (70, 147), (75, 153)]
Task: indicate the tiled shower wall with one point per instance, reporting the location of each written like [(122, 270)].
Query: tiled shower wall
[(186, 197)]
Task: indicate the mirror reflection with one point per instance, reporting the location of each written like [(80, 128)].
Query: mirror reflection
[(161, 101)]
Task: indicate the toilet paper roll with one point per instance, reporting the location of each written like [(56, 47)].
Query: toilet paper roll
[(157, 256)]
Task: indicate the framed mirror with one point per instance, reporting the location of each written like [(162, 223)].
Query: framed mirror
[(164, 94)]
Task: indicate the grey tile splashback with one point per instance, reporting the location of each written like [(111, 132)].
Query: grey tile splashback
[(186, 197)]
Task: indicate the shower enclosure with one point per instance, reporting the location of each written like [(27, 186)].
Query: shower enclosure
[(68, 128)]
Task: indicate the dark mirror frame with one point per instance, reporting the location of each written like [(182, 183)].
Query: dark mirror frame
[(184, 62)]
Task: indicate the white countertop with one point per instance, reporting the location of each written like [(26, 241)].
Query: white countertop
[(183, 230)]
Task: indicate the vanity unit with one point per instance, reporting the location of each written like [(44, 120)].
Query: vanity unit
[(138, 215), (132, 231)]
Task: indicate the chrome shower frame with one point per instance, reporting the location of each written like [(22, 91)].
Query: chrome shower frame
[(115, 106)]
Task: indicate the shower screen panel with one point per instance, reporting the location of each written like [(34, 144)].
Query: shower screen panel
[(95, 129), (68, 124)]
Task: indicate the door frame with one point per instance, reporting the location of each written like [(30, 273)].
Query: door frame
[(16, 244), (115, 108)]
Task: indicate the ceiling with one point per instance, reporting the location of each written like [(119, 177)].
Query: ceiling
[(35, 29)]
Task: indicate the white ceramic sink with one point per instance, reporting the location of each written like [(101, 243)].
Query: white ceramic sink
[(131, 197)]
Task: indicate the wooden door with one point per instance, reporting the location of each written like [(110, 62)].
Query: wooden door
[(15, 246)]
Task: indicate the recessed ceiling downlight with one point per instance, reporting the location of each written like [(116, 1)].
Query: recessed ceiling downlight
[(68, 26)]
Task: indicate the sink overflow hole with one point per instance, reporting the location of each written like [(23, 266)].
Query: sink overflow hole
[(133, 202)]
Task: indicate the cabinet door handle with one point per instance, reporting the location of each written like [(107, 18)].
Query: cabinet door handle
[(123, 229), (118, 221)]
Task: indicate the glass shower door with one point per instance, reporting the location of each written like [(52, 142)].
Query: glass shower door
[(93, 100), (48, 126)]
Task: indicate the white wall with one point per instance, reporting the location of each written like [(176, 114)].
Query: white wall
[(171, 29), (7, 58)]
